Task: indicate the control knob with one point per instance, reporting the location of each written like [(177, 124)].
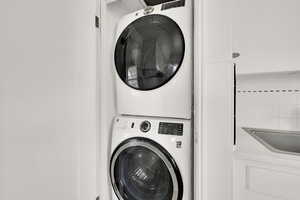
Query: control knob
[(145, 126)]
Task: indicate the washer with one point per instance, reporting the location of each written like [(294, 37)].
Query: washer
[(153, 61), (151, 159)]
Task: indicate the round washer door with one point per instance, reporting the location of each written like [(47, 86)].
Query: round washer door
[(149, 52), (142, 170)]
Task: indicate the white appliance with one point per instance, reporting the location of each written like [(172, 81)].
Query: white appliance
[(153, 61), (151, 158)]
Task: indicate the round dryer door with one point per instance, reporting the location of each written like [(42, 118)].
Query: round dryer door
[(142, 170), (149, 52)]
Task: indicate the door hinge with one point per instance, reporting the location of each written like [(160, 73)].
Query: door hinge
[(97, 21)]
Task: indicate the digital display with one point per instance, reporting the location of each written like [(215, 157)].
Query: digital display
[(170, 128)]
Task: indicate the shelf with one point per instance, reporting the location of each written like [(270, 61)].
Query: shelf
[(278, 141)]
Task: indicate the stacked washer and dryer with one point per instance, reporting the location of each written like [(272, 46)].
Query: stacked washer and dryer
[(151, 149)]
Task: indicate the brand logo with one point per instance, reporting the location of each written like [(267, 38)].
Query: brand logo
[(148, 10)]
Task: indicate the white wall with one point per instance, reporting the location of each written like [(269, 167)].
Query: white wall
[(269, 101), (266, 33), (217, 131), (47, 100), (213, 100)]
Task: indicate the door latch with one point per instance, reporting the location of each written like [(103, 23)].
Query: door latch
[(97, 21), (236, 55)]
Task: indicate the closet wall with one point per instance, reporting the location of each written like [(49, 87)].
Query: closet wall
[(213, 100)]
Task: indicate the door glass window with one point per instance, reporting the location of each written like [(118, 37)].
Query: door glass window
[(149, 52), (140, 174)]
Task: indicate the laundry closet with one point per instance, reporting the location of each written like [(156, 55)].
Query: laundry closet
[(150, 144), (173, 92)]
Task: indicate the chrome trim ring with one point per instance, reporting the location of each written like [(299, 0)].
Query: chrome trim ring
[(136, 142)]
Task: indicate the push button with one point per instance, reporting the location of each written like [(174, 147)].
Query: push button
[(145, 126)]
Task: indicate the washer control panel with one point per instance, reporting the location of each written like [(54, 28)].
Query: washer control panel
[(167, 128), (151, 126), (145, 126)]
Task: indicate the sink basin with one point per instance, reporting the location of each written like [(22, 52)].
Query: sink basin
[(278, 141)]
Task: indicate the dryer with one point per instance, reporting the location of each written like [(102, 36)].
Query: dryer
[(154, 61), (151, 159)]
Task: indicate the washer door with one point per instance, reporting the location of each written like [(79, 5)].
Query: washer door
[(142, 170), (149, 52)]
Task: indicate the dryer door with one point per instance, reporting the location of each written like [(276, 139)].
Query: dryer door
[(142, 170), (149, 52)]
